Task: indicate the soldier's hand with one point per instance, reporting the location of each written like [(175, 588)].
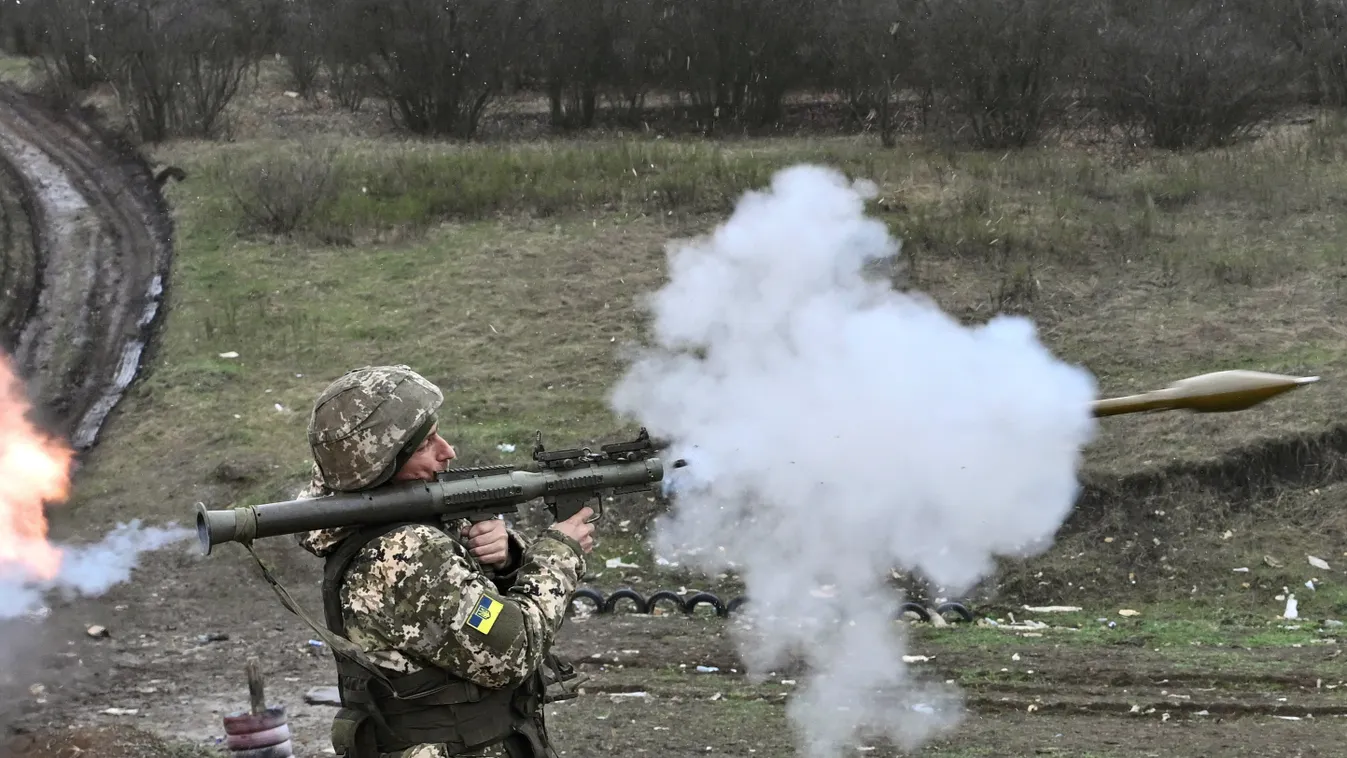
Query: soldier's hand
[(489, 542), (576, 528)]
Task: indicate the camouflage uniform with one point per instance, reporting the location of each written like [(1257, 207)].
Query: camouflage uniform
[(412, 598)]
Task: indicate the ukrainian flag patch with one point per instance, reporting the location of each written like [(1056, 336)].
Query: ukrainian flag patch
[(484, 615)]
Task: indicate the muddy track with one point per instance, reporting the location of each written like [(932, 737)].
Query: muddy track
[(87, 248)]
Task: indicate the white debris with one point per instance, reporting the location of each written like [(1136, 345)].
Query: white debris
[(1052, 608), (230, 354), (1241, 570), (617, 695), (1128, 612), (916, 658), (505, 447), (1291, 612), (121, 711), (98, 631), (1310, 584), (1318, 563), (614, 563), (1020, 626), (707, 669)]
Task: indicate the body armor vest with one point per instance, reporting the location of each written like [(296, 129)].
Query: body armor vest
[(431, 706)]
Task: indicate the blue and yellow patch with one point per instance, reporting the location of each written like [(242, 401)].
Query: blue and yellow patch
[(484, 615)]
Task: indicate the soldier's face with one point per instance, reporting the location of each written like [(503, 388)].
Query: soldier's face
[(429, 459)]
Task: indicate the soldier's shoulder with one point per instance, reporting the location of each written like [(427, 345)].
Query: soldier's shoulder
[(405, 549), (411, 536)]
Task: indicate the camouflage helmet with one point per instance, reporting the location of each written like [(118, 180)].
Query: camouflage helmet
[(367, 423)]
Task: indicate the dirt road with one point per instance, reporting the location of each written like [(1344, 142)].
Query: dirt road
[(87, 248), (168, 669)]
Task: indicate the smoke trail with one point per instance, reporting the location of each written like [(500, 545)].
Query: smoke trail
[(837, 429), (35, 470), (86, 570)]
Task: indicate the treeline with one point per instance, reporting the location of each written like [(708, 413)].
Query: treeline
[(995, 73)]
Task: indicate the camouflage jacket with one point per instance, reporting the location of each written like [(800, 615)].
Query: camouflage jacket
[(410, 598)]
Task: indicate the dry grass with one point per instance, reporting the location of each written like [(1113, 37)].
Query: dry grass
[(511, 275)]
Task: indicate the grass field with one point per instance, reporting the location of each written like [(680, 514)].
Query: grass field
[(513, 276)]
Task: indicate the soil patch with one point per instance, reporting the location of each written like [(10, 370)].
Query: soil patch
[(88, 276)]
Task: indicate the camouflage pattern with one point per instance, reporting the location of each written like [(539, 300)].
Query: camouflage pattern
[(408, 596), (320, 542), (438, 751), (362, 420)]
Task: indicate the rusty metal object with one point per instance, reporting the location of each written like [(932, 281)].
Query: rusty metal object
[(262, 731)]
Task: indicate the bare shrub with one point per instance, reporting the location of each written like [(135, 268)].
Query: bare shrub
[(867, 54), (635, 57), (1317, 32), (60, 34), (735, 61), (576, 56), (304, 25), (285, 191), (1003, 65), (344, 51), (177, 64), (439, 63), (1189, 74)]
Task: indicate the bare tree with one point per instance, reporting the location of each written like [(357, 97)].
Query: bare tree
[(735, 60), (867, 52), (1188, 73), (438, 63), (1003, 65)]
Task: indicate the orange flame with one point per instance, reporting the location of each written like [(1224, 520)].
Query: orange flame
[(34, 470)]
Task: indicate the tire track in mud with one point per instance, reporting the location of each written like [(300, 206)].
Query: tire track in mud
[(88, 245)]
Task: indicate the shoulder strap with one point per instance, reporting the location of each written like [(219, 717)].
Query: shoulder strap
[(339, 645), (338, 561)]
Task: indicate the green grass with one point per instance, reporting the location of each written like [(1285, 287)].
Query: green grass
[(1171, 633), (513, 275)]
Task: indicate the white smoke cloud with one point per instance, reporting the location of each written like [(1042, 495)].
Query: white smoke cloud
[(86, 570), (836, 429)]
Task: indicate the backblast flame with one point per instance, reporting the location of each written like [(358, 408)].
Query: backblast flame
[(34, 471)]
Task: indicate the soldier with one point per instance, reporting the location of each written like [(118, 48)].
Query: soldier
[(458, 619)]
